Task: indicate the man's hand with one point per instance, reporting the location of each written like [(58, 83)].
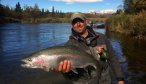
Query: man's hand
[(100, 49), (63, 66), (121, 82)]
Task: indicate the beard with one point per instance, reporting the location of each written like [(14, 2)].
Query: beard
[(83, 31)]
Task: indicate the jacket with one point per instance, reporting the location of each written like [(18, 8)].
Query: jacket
[(93, 39)]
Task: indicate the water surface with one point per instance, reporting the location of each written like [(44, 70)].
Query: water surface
[(133, 58), (20, 40)]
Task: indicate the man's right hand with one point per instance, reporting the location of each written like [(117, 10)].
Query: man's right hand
[(63, 66)]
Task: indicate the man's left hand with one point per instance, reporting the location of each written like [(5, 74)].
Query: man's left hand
[(100, 49)]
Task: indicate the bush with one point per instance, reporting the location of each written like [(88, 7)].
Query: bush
[(134, 25)]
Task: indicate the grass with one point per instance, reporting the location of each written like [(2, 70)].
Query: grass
[(133, 25)]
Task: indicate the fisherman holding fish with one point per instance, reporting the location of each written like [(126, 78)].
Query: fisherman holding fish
[(87, 57), (95, 44)]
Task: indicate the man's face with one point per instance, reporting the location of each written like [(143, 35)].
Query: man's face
[(79, 25)]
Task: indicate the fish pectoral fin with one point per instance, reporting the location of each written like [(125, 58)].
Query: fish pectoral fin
[(89, 70), (75, 71), (86, 70)]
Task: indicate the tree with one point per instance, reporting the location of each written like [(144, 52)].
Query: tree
[(61, 14), (18, 11), (18, 8), (119, 9), (42, 12), (2, 14), (134, 6), (129, 7), (27, 11), (140, 5), (53, 11), (35, 12), (47, 12)]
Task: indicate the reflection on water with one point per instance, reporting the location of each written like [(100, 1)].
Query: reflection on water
[(100, 30), (121, 58), (24, 39)]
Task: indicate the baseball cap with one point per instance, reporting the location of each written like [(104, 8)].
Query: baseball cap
[(78, 15)]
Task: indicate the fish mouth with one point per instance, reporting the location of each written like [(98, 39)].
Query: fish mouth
[(26, 64)]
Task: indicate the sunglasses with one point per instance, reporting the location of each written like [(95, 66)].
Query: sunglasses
[(77, 20)]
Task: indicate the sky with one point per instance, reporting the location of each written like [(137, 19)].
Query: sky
[(68, 5)]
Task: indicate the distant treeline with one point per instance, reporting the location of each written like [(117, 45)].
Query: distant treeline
[(130, 20), (28, 13), (33, 14)]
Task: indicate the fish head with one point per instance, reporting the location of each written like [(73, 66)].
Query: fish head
[(34, 62), (28, 63)]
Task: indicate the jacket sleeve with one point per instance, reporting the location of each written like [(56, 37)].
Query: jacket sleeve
[(101, 39), (114, 63)]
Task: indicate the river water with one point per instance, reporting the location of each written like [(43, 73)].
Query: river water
[(133, 51), (20, 40)]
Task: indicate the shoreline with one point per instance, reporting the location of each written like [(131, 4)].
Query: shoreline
[(45, 20)]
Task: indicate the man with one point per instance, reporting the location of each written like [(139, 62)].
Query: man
[(86, 39)]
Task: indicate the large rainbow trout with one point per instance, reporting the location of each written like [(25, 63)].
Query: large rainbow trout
[(52, 56)]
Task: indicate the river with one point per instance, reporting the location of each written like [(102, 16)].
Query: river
[(134, 51), (20, 40)]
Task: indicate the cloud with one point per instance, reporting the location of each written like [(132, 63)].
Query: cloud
[(109, 11), (77, 1)]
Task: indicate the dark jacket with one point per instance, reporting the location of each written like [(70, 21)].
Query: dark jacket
[(88, 44)]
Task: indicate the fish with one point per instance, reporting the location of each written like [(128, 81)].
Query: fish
[(52, 56)]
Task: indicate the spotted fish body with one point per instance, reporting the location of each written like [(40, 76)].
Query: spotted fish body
[(52, 56)]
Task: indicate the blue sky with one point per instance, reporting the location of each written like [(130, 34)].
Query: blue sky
[(69, 5)]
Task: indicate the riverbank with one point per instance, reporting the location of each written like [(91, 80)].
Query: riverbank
[(46, 20), (132, 25)]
